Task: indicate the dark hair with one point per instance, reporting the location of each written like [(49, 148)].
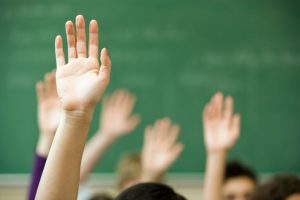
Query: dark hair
[(101, 197), (279, 188), (236, 169), (149, 191)]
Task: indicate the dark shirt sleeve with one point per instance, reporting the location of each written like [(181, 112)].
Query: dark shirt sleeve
[(37, 170)]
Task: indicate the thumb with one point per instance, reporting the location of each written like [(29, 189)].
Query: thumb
[(105, 67)]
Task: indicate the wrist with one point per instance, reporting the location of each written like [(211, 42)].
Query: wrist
[(220, 151), (108, 134), (81, 116)]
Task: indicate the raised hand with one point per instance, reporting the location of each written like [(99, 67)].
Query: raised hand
[(221, 126), (49, 109), (49, 112), (116, 116), (81, 82), (116, 120), (160, 149)]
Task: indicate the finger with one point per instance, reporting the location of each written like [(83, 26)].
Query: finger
[(93, 39), (175, 152), (162, 130), (148, 136), (218, 104), (40, 91), (104, 72), (59, 51), (173, 135), (120, 97), (127, 103), (80, 36), (47, 81), (133, 122), (228, 110), (71, 40), (236, 125)]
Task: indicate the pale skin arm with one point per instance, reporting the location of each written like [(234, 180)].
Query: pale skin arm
[(48, 113), (221, 131), (80, 85), (160, 150), (116, 121)]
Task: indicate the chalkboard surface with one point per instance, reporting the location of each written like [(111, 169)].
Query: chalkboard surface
[(173, 55)]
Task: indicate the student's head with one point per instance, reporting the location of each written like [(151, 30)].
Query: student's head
[(149, 191), (129, 170), (101, 197), (279, 188), (239, 182)]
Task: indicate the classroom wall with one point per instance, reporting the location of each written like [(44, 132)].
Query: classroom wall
[(173, 55)]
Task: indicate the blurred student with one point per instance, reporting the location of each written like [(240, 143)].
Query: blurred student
[(160, 151), (221, 131), (116, 121), (48, 118), (283, 187)]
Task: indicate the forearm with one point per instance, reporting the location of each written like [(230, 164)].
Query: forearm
[(93, 152), (60, 179), (214, 175)]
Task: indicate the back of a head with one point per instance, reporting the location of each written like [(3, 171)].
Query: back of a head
[(101, 197), (279, 188), (236, 169), (149, 191)]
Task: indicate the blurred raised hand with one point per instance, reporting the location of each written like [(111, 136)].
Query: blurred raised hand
[(160, 149), (116, 117), (116, 120), (49, 112), (221, 131), (221, 125)]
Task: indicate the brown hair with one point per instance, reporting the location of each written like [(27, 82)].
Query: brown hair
[(129, 169)]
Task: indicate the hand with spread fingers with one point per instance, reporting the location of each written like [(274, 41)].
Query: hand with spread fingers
[(116, 117), (160, 149), (221, 131), (80, 84), (116, 120), (49, 112), (82, 81), (221, 126)]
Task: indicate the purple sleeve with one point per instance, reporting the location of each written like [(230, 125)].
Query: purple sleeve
[(37, 170)]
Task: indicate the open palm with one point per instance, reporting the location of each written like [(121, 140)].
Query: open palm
[(221, 126), (116, 116), (49, 109), (81, 82), (160, 149)]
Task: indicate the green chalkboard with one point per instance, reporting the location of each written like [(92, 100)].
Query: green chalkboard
[(173, 55)]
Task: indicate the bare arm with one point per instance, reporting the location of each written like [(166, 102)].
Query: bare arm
[(221, 130), (116, 120), (80, 84), (160, 150)]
